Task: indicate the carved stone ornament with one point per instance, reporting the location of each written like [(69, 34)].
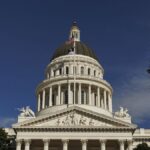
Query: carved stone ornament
[(73, 119), (122, 113), (26, 112)]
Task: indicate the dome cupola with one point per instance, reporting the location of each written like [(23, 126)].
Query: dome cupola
[(74, 43), (74, 77), (74, 32)]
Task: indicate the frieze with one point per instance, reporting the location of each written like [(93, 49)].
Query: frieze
[(74, 119)]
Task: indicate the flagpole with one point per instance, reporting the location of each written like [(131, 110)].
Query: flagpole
[(74, 45)]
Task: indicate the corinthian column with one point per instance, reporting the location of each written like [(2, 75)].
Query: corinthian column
[(50, 96), (43, 99), (84, 144), (18, 144), (69, 94), (79, 94), (39, 102), (130, 147), (121, 142), (89, 95), (27, 144), (105, 104), (65, 144), (46, 144), (103, 144), (98, 96), (59, 90)]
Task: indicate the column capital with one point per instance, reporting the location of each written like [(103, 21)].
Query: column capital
[(27, 141), (130, 141), (65, 141), (121, 141), (102, 141), (46, 140), (84, 141), (19, 141)]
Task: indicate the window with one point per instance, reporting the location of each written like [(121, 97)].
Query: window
[(60, 71), (94, 72), (66, 97), (67, 70), (82, 70), (89, 71)]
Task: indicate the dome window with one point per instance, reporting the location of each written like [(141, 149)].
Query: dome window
[(60, 71), (82, 70), (89, 71), (67, 70), (94, 72)]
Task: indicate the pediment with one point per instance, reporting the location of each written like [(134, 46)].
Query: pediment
[(74, 117)]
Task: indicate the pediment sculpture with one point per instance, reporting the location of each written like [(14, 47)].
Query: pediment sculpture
[(26, 112), (73, 119), (122, 113)]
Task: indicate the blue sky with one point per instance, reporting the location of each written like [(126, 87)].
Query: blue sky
[(118, 31)]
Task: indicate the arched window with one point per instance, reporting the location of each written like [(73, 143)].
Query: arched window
[(89, 71), (67, 70), (66, 97), (82, 70), (94, 72), (60, 71)]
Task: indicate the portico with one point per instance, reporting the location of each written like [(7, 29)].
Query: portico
[(81, 144)]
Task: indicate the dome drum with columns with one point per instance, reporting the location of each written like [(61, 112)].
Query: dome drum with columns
[(74, 106)]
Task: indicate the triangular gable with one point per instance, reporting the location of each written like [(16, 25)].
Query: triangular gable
[(75, 117)]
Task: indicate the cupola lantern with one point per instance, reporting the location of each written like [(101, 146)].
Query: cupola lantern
[(74, 32)]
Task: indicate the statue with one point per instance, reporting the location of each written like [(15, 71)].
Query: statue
[(66, 121), (122, 113), (74, 120), (91, 123), (82, 121), (26, 112)]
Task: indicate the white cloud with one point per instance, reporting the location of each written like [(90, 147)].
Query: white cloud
[(7, 121), (135, 95)]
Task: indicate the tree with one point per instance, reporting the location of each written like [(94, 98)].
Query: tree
[(6, 142), (142, 146), (3, 140)]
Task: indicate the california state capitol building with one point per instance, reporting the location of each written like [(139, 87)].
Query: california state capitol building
[(74, 107)]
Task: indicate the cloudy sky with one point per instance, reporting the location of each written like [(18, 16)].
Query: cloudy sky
[(118, 32)]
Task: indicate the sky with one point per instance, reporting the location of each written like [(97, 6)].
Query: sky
[(118, 31)]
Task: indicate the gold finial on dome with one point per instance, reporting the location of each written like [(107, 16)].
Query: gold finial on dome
[(75, 32)]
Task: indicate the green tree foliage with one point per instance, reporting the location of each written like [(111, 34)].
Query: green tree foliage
[(142, 146), (3, 140)]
